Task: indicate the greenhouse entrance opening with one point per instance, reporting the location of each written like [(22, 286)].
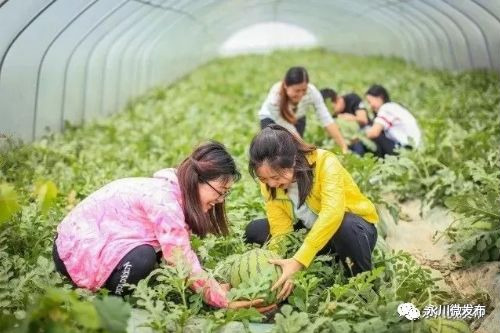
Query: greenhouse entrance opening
[(266, 37)]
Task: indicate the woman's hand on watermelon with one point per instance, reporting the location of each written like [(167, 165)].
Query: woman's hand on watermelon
[(289, 268), (285, 291), (266, 309), (256, 303)]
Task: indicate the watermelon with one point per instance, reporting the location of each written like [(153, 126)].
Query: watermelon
[(222, 270), (253, 267), (350, 131), (441, 325)]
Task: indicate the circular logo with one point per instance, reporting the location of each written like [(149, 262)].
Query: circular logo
[(409, 311)]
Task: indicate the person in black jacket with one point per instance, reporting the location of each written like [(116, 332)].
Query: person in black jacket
[(349, 107)]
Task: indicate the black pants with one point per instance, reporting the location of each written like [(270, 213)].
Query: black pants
[(385, 146), (300, 126), (355, 239), (135, 266), (357, 148)]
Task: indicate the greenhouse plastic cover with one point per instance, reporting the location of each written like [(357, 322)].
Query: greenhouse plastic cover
[(75, 60)]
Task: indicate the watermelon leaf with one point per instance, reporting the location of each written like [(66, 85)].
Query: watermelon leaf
[(9, 204)]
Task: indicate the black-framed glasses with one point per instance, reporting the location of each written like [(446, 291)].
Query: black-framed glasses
[(221, 195)]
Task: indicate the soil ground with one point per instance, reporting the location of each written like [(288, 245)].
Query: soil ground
[(419, 234)]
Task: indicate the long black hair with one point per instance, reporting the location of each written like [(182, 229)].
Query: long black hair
[(377, 90), (209, 161), (280, 149), (294, 75)]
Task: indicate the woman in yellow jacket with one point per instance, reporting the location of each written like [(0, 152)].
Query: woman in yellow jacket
[(307, 187)]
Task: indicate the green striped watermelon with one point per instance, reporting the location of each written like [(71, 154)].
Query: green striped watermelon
[(254, 266), (441, 325)]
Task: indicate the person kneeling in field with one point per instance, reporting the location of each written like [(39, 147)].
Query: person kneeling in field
[(394, 126), (117, 235), (351, 116), (306, 187)]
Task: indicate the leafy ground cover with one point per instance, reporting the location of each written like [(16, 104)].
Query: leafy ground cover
[(458, 167)]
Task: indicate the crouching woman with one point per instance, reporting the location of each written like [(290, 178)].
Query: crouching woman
[(115, 235), (307, 187)]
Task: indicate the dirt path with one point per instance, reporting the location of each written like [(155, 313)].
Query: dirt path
[(417, 235)]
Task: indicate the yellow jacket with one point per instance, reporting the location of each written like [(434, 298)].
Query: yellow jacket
[(333, 193)]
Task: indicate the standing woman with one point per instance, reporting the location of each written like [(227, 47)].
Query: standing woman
[(115, 235), (307, 187), (287, 103), (394, 126)]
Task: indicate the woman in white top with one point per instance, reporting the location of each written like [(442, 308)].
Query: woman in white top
[(287, 103), (394, 126)]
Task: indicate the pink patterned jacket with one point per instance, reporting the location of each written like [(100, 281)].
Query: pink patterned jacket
[(126, 213)]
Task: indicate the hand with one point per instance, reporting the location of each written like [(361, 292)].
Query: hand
[(248, 304), (285, 291), (256, 303), (266, 309), (289, 268), (346, 116)]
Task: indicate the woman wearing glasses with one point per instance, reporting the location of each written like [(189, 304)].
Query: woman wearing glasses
[(117, 234)]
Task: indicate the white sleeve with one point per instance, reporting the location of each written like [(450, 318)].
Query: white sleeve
[(385, 117), (271, 106), (322, 112)]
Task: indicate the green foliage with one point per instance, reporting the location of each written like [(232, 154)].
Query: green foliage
[(59, 310), (477, 235), (46, 193), (352, 133), (113, 313), (303, 295), (8, 202), (166, 297), (365, 303), (22, 282)]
